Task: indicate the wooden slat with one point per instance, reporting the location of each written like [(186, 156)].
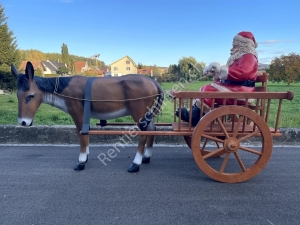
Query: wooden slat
[(233, 95), (131, 124)]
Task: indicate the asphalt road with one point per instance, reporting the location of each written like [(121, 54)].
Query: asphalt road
[(39, 186)]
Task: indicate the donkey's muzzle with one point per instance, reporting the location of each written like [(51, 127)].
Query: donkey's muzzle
[(25, 122)]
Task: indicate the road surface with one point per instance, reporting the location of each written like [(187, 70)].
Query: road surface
[(39, 186)]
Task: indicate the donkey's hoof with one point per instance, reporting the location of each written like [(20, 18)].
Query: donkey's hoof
[(146, 160), (134, 168), (79, 166)]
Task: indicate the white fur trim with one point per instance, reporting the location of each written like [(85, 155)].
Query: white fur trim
[(224, 89), (223, 73), (220, 88)]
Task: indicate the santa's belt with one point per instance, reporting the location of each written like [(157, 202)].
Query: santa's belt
[(247, 83)]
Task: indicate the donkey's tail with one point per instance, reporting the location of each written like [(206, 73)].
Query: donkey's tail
[(157, 107)]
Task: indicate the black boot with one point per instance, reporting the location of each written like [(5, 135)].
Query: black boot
[(103, 123), (195, 115), (185, 115)]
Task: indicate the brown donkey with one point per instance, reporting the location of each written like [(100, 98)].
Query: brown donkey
[(110, 98)]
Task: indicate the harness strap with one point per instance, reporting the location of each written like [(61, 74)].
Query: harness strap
[(87, 106)]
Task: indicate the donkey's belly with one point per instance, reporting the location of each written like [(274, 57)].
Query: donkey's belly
[(110, 115)]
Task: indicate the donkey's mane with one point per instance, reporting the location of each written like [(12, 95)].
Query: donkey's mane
[(44, 84)]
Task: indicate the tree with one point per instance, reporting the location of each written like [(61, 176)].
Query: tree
[(276, 70), (65, 54), (292, 67), (9, 53), (190, 69), (39, 72), (285, 68), (63, 70), (140, 66)]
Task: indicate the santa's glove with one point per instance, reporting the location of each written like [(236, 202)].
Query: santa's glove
[(212, 70)]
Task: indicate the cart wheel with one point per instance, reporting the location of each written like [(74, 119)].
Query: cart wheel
[(188, 141), (240, 162)]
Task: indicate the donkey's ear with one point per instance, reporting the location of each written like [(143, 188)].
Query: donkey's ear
[(29, 71), (14, 71)]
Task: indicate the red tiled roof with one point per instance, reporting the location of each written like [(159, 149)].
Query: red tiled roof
[(35, 64), (79, 65), (144, 71)]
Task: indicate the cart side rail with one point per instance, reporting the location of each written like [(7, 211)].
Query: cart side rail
[(263, 104)]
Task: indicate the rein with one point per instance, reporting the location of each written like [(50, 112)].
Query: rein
[(83, 99)]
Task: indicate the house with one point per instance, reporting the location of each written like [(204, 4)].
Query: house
[(36, 64), (103, 70), (81, 66), (52, 66), (145, 71), (123, 66), (152, 70)]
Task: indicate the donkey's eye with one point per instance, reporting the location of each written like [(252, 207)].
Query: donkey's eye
[(29, 97)]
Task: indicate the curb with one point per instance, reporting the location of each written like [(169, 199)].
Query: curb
[(67, 135)]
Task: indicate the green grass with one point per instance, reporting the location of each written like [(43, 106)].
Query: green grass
[(48, 115)]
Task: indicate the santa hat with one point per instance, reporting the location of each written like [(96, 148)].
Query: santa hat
[(247, 38)]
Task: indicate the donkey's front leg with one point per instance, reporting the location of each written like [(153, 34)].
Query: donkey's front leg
[(150, 140), (84, 151), (135, 166)]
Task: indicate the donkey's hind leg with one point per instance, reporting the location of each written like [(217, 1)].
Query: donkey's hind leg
[(149, 144), (84, 151), (142, 155)]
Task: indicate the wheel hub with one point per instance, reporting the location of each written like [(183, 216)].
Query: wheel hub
[(231, 145)]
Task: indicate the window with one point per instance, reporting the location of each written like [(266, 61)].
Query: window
[(127, 68), (115, 68), (127, 62)]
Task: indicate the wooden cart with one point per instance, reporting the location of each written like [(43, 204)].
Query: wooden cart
[(222, 142)]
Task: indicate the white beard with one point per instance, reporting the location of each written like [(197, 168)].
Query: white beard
[(243, 49)]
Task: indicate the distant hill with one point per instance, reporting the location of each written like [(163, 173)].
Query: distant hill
[(262, 66), (34, 55)]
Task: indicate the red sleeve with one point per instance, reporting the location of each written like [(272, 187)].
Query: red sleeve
[(245, 68)]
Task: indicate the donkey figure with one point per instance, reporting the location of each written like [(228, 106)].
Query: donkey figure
[(110, 98)]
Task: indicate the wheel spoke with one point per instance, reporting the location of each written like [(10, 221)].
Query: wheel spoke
[(212, 153), (250, 150), (222, 127), (249, 135), (212, 138), (224, 162), (204, 144), (236, 130), (240, 161)]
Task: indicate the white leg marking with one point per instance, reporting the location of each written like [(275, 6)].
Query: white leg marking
[(82, 157), (138, 158), (148, 153)]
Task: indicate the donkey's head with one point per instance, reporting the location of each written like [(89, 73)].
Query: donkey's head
[(29, 95)]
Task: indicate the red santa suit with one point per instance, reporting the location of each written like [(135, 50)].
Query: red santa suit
[(238, 75)]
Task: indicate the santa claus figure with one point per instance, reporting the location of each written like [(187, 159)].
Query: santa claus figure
[(238, 75)]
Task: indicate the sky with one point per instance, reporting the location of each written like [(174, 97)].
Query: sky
[(154, 32)]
